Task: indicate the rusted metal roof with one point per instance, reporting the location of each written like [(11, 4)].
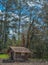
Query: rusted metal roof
[(20, 49)]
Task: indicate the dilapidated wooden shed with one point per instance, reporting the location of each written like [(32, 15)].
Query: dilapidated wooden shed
[(19, 53)]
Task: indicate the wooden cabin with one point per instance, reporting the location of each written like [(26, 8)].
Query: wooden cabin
[(19, 53)]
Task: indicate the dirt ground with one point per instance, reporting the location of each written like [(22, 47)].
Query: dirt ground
[(18, 63), (24, 63)]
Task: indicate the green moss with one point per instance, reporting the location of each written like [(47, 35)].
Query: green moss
[(4, 56)]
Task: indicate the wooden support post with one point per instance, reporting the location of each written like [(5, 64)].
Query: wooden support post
[(14, 56)]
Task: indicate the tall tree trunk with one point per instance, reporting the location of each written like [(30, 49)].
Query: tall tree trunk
[(28, 34)]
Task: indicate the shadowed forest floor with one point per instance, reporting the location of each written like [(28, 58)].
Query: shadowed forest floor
[(24, 63), (17, 63)]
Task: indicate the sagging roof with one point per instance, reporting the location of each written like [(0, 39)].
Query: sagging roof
[(20, 49)]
